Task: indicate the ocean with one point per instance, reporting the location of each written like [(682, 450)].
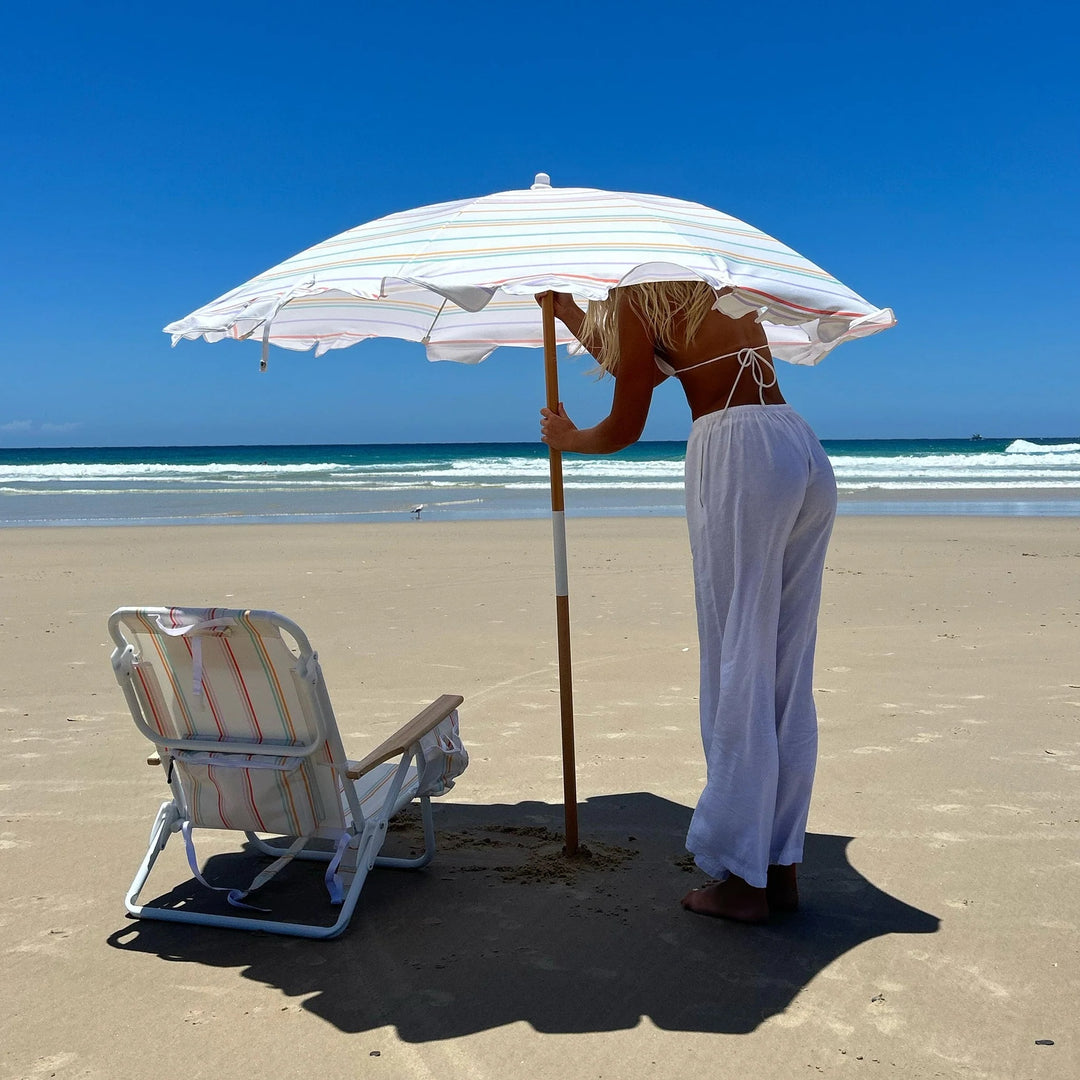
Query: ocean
[(484, 481)]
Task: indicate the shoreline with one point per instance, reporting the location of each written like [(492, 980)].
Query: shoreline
[(1033, 502)]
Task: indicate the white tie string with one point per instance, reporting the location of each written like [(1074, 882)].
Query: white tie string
[(762, 372)]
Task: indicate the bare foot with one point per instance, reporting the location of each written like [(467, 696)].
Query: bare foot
[(729, 899), (782, 890)]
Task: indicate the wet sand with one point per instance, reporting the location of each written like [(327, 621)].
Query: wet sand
[(939, 923)]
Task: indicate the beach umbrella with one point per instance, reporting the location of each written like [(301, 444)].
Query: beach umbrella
[(460, 277)]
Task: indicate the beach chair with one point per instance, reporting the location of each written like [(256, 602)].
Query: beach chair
[(236, 706)]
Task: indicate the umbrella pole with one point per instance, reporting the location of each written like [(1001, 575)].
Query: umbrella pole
[(562, 590)]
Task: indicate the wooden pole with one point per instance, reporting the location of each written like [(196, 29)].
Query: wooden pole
[(562, 591)]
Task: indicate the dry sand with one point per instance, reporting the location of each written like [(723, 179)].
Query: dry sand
[(939, 931)]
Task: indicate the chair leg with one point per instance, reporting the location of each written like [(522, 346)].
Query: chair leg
[(366, 858), (163, 828), (268, 926), (429, 843)]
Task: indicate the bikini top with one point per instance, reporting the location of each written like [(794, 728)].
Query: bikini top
[(761, 370)]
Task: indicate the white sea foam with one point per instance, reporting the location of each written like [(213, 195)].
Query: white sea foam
[(568, 483), (1022, 446), (322, 472), (510, 484), (961, 470), (500, 467), (68, 471), (955, 485)]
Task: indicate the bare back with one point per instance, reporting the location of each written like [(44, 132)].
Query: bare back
[(726, 380)]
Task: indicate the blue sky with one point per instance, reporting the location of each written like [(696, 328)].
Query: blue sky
[(925, 154)]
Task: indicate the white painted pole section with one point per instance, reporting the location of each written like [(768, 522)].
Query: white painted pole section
[(558, 534)]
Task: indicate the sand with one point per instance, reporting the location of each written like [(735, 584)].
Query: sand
[(938, 936)]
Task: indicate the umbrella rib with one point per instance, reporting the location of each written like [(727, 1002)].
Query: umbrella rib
[(426, 339), (265, 344)]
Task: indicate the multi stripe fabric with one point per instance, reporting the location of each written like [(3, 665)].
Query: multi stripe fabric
[(460, 276), (231, 676)]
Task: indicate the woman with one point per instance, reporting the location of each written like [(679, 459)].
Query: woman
[(760, 503)]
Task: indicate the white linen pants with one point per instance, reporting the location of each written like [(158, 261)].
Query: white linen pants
[(760, 503)]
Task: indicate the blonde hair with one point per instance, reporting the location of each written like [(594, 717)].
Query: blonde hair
[(672, 310)]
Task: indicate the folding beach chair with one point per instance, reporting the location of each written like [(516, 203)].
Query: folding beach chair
[(243, 727)]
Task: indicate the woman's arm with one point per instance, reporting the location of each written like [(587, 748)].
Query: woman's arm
[(636, 377)]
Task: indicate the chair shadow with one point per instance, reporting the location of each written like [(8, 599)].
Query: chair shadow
[(501, 927)]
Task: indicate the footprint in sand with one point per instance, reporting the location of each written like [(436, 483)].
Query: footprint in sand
[(47, 943), (51, 1065)]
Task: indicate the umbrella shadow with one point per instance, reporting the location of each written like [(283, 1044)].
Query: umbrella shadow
[(501, 927)]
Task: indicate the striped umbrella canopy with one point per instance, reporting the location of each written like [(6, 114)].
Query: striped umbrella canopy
[(461, 278)]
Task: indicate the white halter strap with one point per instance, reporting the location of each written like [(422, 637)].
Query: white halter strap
[(761, 370)]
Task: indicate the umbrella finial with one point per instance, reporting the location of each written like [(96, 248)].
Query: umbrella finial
[(542, 181)]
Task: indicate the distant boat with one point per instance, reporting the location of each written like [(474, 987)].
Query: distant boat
[(976, 437)]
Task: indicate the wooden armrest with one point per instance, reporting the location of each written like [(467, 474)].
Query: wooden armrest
[(154, 759), (407, 736)]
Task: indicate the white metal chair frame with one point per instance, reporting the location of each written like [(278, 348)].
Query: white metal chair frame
[(364, 833)]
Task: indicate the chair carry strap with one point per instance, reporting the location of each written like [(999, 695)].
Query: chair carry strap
[(216, 627), (236, 896), (333, 878)]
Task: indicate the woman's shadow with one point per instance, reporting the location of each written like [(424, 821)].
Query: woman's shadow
[(502, 928)]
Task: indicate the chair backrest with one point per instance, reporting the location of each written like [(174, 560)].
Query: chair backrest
[(242, 717)]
